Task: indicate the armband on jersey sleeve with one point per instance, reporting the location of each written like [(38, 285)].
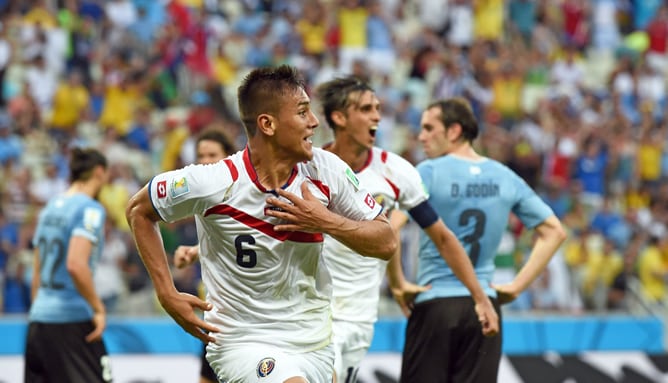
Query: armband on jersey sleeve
[(424, 214)]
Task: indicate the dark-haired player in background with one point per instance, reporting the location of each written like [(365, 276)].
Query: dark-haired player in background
[(67, 317), (474, 196), (352, 110)]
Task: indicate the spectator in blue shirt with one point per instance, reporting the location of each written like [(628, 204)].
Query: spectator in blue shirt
[(10, 144)]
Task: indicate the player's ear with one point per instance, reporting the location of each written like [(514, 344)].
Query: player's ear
[(454, 132), (266, 123), (339, 118)]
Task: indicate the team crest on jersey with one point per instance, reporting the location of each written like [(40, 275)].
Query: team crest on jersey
[(352, 178), (383, 201), (265, 367), (179, 187)]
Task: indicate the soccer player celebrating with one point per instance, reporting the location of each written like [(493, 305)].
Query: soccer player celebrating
[(352, 110), (262, 214)]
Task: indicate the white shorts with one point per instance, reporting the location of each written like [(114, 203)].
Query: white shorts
[(351, 342), (258, 363)]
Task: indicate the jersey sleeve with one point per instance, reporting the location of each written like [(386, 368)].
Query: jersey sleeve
[(347, 198), (90, 222), (407, 180), (529, 207), (188, 191), (425, 169)]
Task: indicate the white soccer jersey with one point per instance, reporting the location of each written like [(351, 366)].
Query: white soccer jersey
[(266, 287), (356, 279)]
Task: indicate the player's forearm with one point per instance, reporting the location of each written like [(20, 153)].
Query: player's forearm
[(148, 240), (34, 285), (550, 236), (455, 256), (395, 272), (373, 238), (35, 282), (82, 277), (150, 247)]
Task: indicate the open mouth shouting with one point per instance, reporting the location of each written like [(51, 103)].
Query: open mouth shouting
[(372, 130)]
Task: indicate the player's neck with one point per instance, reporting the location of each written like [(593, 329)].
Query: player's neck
[(272, 171), (355, 156), (466, 151), (78, 187)]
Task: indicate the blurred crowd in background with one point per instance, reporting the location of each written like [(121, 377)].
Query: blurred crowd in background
[(571, 94)]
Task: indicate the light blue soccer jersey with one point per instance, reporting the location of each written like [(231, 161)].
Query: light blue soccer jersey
[(474, 199), (58, 300)]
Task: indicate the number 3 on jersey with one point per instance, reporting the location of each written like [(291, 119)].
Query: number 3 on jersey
[(472, 239), (245, 257)]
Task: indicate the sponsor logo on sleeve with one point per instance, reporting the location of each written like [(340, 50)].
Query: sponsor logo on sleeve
[(352, 178), (370, 201), (179, 187), (92, 219), (162, 189), (424, 189), (265, 367)]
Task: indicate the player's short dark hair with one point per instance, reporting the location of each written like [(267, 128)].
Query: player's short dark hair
[(83, 161), (457, 110), (334, 95), (262, 91), (217, 135)]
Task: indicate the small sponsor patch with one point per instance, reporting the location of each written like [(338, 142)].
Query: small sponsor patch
[(370, 202), (92, 219), (179, 187), (353, 178), (424, 188), (162, 189), (265, 367)]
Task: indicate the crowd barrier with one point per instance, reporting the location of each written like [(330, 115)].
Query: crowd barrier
[(587, 348)]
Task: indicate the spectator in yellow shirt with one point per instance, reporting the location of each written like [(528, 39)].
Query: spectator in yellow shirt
[(40, 14), (119, 103), (650, 150), (488, 19), (175, 135), (352, 38), (507, 90), (312, 28), (70, 103), (602, 265), (653, 270)]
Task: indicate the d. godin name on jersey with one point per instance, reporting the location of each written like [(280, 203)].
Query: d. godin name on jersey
[(475, 190)]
